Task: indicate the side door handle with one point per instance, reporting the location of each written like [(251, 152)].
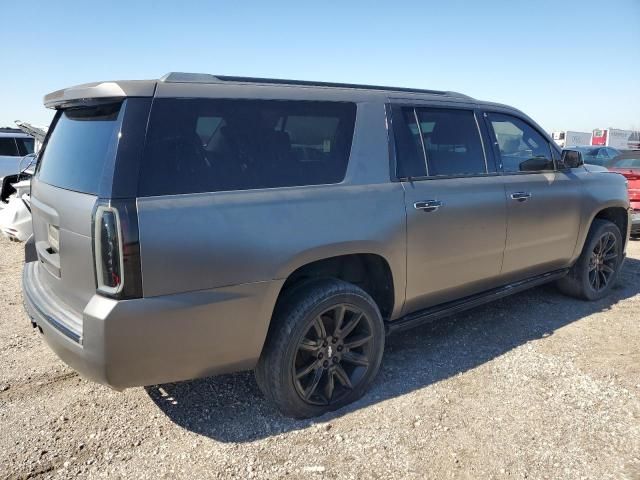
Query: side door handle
[(521, 196), (428, 205)]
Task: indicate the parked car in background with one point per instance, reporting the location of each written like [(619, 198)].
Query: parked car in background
[(596, 155), (14, 145), (15, 199), (199, 224), (628, 164), (15, 211)]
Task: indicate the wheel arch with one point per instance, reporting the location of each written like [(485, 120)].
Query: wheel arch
[(370, 271), (617, 215), (613, 212)]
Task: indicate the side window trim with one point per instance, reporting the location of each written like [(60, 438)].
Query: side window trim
[(391, 143), (394, 116), (393, 110), (421, 135), (496, 150), (485, 138)]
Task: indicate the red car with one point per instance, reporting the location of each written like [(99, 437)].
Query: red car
[(628, 164)]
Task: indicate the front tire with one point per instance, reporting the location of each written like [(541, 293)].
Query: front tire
[(597, 269), (324, 348)]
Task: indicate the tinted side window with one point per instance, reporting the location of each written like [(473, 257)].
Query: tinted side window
[(448, 139), (452, 142), (25, 145), (409, 152), (8, 147), (209, 145), (522, 148)]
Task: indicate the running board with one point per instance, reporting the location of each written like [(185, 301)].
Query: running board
[(444, 310)]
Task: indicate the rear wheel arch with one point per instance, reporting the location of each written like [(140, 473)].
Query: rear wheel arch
[(369, 271)]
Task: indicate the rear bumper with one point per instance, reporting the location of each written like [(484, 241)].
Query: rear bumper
[(156, 340)]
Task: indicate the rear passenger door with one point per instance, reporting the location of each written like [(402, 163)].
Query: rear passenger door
[(455, 204), (543, 201)]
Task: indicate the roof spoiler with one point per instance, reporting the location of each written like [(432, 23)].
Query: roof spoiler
[(100, 91)]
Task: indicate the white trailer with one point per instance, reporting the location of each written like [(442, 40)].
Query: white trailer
[(616, 138), (570, 138)]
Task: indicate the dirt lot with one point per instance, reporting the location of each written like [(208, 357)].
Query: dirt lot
[(533, 386)]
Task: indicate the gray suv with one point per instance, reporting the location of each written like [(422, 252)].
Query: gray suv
[(198, 224)]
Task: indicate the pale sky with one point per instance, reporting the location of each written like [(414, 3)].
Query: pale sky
[(571, 65)]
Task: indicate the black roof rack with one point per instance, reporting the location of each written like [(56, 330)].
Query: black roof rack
[(180, 77)]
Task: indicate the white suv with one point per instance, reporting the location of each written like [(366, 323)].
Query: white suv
[(14, 145)]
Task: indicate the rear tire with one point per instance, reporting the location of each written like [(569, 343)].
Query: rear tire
[(597, 269), (323, 350)]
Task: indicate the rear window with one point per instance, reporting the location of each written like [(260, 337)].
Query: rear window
[(81, 148), (203, 145)]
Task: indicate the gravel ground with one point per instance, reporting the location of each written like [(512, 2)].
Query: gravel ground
[(533, 386)]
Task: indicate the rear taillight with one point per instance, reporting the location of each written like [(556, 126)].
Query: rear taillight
[(116, 249), (108, 250)]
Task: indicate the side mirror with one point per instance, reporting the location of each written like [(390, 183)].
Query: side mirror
[(572, 158)]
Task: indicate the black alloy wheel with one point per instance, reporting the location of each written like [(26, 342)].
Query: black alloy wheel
[(598, 267), (333, 356), (324, 348), (603, 261)]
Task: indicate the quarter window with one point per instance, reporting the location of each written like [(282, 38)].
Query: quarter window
[(522, 148), (202, 145), (438, 142)]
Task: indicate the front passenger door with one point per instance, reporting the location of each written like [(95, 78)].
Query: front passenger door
[(543, 203)]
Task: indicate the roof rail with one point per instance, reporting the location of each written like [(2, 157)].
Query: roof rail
[(181, 77)]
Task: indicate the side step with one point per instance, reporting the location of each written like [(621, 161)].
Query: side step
[(446, 309)]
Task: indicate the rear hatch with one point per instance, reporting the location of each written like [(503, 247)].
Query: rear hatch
[(78, 170)]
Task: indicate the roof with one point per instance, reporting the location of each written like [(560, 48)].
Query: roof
[(182, 77), (17, 134), (196, 82)]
